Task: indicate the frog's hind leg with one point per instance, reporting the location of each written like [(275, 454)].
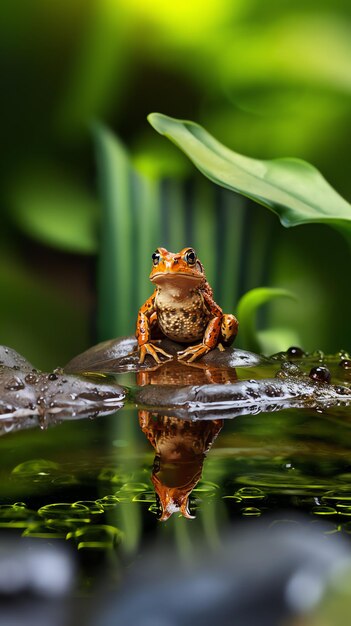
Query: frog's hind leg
[(229, 330), (155, 330)]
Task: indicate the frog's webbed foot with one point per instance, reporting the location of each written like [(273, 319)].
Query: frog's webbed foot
[(193, 352), (153, 350)]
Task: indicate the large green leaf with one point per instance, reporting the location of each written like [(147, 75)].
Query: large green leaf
[(292, 188)]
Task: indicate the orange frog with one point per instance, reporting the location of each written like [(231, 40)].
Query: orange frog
[(182, 308)]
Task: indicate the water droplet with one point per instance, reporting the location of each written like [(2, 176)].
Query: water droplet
[(58, 371), (15, 384), (295, 352), (251, 511), (320, 374), (52, 376), (345, 364)]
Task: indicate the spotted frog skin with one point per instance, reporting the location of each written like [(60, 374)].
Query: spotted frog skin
[(182, 308)]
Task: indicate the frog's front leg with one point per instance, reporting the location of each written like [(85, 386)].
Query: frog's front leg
[(209, 342), (143, 332)]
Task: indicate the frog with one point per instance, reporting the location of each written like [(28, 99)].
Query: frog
[(182, 308)]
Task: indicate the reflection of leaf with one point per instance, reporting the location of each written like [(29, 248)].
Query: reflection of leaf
[(292, 188), (247, 308), (56, 211)]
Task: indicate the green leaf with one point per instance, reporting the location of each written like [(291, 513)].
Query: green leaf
[(291, 188), (248, 305)]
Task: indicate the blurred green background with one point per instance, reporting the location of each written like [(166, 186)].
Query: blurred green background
[(267, 79)]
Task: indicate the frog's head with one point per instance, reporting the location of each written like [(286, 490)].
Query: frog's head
[(181, 268), (173, 499)]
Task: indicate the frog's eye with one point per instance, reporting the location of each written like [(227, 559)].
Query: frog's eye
[(190, 257), (156, 258)]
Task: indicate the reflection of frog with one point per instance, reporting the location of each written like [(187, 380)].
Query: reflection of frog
[(182, 308), (181, 447)]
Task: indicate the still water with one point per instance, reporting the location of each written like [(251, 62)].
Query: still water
[(109, 486)]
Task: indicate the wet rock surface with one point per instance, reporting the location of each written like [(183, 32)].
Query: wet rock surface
[(241, 397), (26, 392), (120, 355), (207, 389)]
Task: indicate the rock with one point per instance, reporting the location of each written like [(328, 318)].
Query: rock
[(26, 392), (120, 355), (241, 398)]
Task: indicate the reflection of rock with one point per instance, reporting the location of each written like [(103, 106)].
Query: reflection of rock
[(26, 392), (180, 452), (119, 355)]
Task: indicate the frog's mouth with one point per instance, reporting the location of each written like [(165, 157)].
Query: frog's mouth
[(176, 278)]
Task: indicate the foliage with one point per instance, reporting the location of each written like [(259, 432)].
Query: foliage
[(268, 79), (292, 188), (247, 308)]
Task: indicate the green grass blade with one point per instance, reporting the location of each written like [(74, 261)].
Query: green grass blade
[(115, 270)]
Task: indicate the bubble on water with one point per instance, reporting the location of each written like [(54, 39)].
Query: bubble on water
[(233, 497), (251, 511), (344, 508), (93, 506), (66, 511), (250, 493), (108, 502), (134, 487), (36, 468), (144, 496), (43, 531), (16, 515), (98, 536), (111, 475), (205, 487), (344, 496), (323, 510)]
